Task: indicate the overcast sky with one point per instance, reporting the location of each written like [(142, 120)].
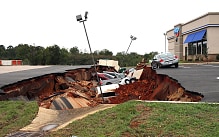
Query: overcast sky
[(109, 26)]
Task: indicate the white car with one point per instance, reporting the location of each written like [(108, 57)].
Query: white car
[(107, 79), (165, 60), (133, 76), (127, 80), (115, 74)]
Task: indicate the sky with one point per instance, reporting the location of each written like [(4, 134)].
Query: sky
[(109, 25)]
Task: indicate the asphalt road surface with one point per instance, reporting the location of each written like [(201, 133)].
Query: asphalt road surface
[(202, 78), (14, 75)]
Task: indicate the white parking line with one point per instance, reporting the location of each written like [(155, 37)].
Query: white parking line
[(216, 66), (207, 65), (184, 67)]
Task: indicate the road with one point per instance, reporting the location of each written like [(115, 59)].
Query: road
[(202, 78)]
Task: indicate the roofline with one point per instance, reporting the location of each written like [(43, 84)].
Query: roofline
[(209, 13)]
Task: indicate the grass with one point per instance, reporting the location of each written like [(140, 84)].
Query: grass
[(142, 119), (130, 119), (16, 114)]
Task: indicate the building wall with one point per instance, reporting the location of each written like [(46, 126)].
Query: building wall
[(194, 24), (214, 18), (171, 46), (209, 21), (213, 40)]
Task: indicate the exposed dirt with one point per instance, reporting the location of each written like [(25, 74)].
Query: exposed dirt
[(152, 86), (77, 88)]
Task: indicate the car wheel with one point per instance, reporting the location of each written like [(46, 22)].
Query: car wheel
[(176, 65), (127, 81), (154, 65), (132, 80)]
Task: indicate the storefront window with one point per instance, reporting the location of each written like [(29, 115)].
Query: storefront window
[(204, 47), (199, 48), (190, 52), (194, 48)]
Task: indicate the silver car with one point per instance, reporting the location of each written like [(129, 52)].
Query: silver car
[(115, 74), (107, 79), (165, 60)]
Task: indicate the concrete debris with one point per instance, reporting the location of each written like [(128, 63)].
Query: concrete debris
[(78, 88)]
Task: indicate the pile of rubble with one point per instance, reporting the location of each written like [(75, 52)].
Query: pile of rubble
[(78, 88)]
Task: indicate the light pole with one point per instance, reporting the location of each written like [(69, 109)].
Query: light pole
[(132, 38), (165, 36), (79, 18)]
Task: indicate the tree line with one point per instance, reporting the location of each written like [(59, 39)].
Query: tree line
[(54, 55)]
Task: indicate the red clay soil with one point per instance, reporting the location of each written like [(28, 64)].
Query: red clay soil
[(152, 86)]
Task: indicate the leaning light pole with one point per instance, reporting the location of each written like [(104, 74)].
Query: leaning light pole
[(132, 38), (79, 18)]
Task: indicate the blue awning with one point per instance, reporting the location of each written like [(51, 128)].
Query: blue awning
[(189, 38), (197, 36)]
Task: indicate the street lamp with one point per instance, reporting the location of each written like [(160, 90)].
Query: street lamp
[(79, 18), (132, 38), (165, 36)]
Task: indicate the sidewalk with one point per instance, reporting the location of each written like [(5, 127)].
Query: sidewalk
[(48, 119), (7, 69), (198, 63)]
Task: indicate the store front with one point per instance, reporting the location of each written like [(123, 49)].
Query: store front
[(197, 40), (197, 46)]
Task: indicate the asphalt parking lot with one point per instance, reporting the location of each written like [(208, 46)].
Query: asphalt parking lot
[(13, 74), (202, 78)]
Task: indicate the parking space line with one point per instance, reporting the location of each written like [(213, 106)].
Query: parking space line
[(184, 67)]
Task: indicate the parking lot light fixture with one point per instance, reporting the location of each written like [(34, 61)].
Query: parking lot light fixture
[(165, 36), (80, 19), (132, 38)]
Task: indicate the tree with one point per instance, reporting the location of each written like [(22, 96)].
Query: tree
[(96, 52), (23, 52), (37, 55), (74, 50), (150, 56), (52, 55), (64, 57), (74, 56), (106, 52), (2, 52), (10, 52)]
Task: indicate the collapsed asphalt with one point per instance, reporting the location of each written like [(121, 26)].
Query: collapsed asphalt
[(77, 88)]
